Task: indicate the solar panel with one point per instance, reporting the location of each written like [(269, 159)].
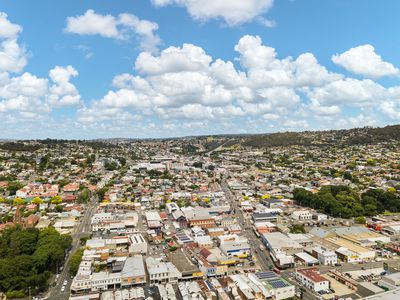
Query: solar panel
[(209, 285), (266, 275), (278, 283)]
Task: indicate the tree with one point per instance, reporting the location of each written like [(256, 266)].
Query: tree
[(56, 200), (84, 196), (37, 201), (297, 228), (75, 261), (27, 256), (360, 220), (18, 201), (101, 193), (14, 186)]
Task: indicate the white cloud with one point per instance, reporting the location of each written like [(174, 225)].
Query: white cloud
[(13, 57), (173, 59), (349, 91), (266, 22), (122, 27), (28, 96), (365, 61), (62, 92), (320, 110), (265, 69), (8, 30), (186, 83), (357, 122), (91, 23), (184, 86), (232, 12)]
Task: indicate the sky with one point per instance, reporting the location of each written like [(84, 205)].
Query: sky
[(84, 69)]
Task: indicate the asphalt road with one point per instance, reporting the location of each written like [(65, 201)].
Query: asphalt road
[(81, 230), (263, 259)]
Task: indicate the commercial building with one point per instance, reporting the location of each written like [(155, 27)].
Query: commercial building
[(324, 255), (311, 279), (234, 245), (301, 215), (161, 272), (137, 244)]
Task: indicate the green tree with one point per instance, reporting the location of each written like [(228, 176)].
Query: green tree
[(84, 196), (360, 220), (297, 228), (75, 261)]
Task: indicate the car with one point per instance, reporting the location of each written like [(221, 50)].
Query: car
[(63, 289), (65, 282), (338, 265)]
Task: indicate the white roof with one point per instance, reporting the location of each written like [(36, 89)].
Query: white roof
[(307, 257)]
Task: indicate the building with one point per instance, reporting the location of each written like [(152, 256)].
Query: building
[(310, 278), (392, 279), (137, 244), (132, 273), (306, 259), (324, 255), (234, 245), (277, 287), (281, 248), (301, 215), (161, 272)]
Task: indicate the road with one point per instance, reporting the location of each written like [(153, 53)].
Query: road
[(81, 230), (263, 259)]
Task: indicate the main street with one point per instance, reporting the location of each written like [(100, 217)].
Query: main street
[(80, 231), (264, 260)]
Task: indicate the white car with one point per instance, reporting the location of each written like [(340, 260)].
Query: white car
[(63, 289), (65, 282)]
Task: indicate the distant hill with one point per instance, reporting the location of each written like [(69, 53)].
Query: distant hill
[(357, 136), (200, 144)]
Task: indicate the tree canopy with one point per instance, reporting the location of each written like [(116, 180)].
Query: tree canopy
[(342, 201), (27, 258)]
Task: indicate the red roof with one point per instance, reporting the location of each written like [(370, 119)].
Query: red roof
[(312, 274), (163, 215), (205, 252)]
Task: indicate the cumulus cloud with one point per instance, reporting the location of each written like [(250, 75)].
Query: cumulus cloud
[(185, 82), (121, 27), (265, 69), (363, 60), (185, 85), (13, 57), (232, 12), (63, 92), (349, 91), (28, 96)]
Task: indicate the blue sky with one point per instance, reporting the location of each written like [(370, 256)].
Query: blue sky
[(160, 68)]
